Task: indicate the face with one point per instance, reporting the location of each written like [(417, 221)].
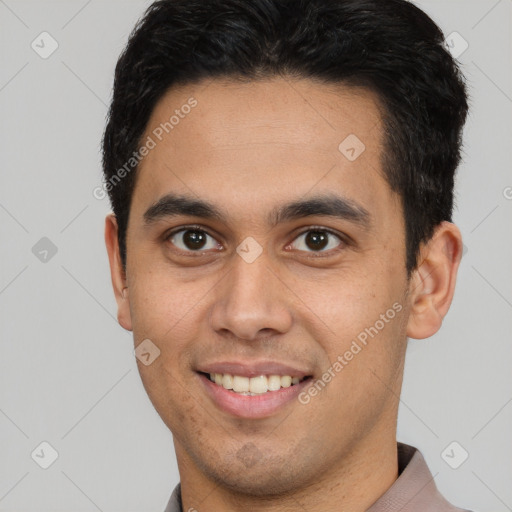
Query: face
[(263, 240)]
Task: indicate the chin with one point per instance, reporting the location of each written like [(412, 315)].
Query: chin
[(248, 472), (263, 482)]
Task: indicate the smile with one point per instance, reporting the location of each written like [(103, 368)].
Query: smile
[(256, 397), (251, 386)]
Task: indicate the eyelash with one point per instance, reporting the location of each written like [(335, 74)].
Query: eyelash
[(315, 254)]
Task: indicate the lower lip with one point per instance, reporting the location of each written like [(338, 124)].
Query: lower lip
[(256, 406)]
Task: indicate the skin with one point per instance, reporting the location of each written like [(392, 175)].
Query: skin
[(248, 148)]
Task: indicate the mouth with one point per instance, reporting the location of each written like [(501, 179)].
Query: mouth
[(254, 386), (255, 397)]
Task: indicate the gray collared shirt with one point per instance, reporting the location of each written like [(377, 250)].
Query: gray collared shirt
[(413, 491)]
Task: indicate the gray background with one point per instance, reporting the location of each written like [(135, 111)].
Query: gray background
[(67, 371)]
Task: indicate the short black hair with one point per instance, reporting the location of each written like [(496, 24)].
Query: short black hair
[(390, 47)]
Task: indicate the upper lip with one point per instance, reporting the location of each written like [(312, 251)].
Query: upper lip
[(253, 368)]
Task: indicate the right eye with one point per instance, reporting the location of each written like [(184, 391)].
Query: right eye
[(192, 239)]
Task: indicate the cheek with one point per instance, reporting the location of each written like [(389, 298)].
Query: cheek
[(360, 322), (162, 306), (166, 311), (167, 315), (343, 302), (173, 400)]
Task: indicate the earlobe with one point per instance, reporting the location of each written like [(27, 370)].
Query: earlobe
[(432, 285), (117, 272)]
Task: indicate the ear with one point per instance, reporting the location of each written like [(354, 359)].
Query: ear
[(432, 284), (117, 272)]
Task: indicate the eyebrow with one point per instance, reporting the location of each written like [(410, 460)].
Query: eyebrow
[(330, 205)]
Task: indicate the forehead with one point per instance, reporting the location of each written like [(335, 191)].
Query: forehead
[(251, 145)]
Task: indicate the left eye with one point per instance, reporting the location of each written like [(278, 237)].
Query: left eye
[(317, 240)]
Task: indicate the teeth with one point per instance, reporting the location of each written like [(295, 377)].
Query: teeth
[(240, 384), (258, 384), (253, 385), (274, 383), (286, 381), (227, 381)]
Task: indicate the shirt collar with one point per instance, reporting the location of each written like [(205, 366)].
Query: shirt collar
[(413, 491)]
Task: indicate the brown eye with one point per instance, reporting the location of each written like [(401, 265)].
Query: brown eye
[(317, 240), (192, 240)]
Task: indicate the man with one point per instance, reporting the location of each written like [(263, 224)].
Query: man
[(281, 175)]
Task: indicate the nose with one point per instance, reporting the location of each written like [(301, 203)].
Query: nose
[(251, 302)]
